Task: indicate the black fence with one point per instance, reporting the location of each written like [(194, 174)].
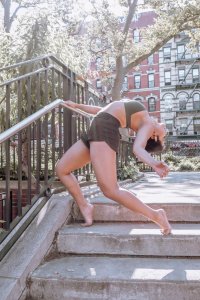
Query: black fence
[(28, 158)]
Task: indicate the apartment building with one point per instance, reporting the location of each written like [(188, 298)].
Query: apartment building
[(143, 85), (180, 87)]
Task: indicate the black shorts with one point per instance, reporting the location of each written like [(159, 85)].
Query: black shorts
[(105, 128)]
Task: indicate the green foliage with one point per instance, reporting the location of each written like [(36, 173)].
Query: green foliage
[(129, 171), (186, 166), (197, 166), (177, 163)]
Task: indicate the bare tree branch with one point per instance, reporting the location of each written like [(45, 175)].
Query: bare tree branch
[(129, 18), (3, 2), (129, 3), (131, 12), (15, 14)]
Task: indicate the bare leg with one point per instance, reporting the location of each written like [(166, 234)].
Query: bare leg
[(104, 163), (76, 157)]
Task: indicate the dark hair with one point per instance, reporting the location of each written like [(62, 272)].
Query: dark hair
[(154, 146)]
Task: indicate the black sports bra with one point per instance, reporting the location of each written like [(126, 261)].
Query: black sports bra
[(132, 107)]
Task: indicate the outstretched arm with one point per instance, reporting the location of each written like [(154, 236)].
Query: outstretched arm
[(86, 108), (140, 142)]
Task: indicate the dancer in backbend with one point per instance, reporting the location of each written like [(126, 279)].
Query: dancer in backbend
[(99, 146)]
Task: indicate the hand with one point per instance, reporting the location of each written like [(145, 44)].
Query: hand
[(70, 103), (161, 168)]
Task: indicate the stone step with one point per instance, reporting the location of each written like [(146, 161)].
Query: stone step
[(116, 278), (106, 210), (178, 194), (129, 239)]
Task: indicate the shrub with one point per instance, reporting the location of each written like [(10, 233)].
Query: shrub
[(186, 166), (197, 166), (130, 171), (169, 157)]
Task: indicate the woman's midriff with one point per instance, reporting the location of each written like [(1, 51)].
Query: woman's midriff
[(117, 110)]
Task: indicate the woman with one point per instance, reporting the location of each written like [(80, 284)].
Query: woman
[(99, 146)]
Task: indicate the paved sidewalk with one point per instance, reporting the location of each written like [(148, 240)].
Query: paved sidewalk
[(179, 187)]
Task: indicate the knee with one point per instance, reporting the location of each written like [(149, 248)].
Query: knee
[(60, 169), (109, 191)]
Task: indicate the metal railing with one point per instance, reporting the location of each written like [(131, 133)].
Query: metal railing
[(36, 130), (32, 174)]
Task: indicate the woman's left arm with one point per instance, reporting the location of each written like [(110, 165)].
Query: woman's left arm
[(86, 108)]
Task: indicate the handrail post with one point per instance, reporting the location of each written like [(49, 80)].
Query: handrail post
[(67, 114)]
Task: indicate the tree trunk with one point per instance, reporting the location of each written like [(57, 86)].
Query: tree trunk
[(119, 79), (7, 24)]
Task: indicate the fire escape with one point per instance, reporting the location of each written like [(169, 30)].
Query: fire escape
[(188, 107)]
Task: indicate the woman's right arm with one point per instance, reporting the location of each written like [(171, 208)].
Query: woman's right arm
[(86, 108), (139, 145)]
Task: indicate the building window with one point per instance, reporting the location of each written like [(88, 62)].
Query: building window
[(152, 104), (169, 125), (182, 101), (136, 35), (121, 19), (183, 126), (196, 122), (181, 75), (136, 17), (168, 102), (151, 80), (181, 51), (125, 84), (167, 53), (150, 59), (195, 75), (124, 60), (98, 84), (137, 81), (111, 63), (196, 101), (182, 104), (98, 63), (167, 75)]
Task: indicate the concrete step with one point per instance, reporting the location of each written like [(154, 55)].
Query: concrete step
[(178, 194), (116, 278), (106, 210), (129, 239)]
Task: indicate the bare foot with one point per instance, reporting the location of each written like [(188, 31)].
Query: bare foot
[(87, 213), (162, 221)]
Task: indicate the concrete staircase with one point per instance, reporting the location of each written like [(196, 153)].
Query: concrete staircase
[(122, 256)]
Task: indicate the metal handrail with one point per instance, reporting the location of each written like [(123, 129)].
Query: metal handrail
[(33, 60), (35, 116), (24, 63)]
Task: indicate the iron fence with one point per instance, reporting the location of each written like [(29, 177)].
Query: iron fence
[(28, 157)]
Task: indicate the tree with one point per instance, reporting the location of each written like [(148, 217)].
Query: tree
[(41, 27), (9, 16), (109, 38)]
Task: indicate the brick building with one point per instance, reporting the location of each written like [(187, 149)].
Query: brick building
[(142, 83)]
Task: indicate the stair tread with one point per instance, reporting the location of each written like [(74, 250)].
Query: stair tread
[(157, 199), (95, 268), (130, 229)]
